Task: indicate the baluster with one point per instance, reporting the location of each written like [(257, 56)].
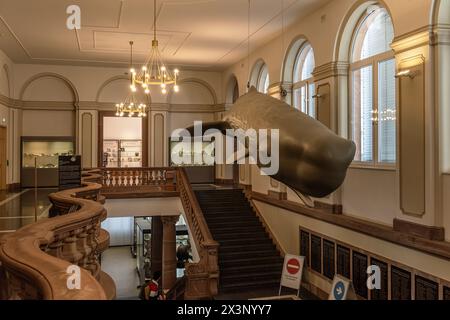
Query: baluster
[(69, 248), (83, 246)]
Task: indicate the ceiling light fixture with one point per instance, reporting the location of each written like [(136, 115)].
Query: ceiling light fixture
[(155, 72), (130, 107)]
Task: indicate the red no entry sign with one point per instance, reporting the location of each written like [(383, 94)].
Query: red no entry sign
[(293, 266)]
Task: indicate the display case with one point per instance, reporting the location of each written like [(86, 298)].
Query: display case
[(122, 153), (183, 154), (142, 249), (40, 158)]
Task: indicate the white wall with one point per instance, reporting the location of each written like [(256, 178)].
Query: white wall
[(48, 123), (368, 194), (122, 128)]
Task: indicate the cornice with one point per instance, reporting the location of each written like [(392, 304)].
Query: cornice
[(330, 70), (103, 106), (414, 39)]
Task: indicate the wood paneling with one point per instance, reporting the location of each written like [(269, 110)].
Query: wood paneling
[(359, 273), (427, 232), (400, 284), (328, 259)]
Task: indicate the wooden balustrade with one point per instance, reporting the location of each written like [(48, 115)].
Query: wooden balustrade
[(202, 277), (36, 259), (129, 182)]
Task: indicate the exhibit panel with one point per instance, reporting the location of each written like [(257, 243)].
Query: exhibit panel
[(40, 159)]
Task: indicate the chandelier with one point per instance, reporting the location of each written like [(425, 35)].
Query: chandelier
[(154, 72), (130, 107)]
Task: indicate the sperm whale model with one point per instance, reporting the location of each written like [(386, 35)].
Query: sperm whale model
[(313, 160)]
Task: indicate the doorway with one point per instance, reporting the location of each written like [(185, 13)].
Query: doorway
[(123, 142), (3, 160)]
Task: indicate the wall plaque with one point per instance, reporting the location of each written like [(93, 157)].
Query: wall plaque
[(446, 293), (400, 284), (69, 172), (304, 246), (382, 293), (360, 274), (343, 261), (426, 289), (328, 259), (316, 253)]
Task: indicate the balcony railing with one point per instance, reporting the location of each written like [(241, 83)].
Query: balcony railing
[(38, 260), (35, 260), (138, 182)]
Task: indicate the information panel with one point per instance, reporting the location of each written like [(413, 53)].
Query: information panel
[(69, 172)]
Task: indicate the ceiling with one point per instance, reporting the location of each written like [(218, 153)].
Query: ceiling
[(192, 33)]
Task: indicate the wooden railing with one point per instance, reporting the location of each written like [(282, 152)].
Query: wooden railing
[(128, 181), (178, 291), (40, 260), (36, 258), (202, 277)]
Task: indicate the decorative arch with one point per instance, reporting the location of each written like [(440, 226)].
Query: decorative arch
[(198, 81), (440, 13), (38, 76), (292, 52), (232, 90), (112, 80), (255, 71), (348, 25)]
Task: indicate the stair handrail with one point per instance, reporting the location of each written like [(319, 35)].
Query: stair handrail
[(38, 259), (202, 276)]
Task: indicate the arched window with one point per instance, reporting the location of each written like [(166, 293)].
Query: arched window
[(263, 79), (303, 86), (373, 93)]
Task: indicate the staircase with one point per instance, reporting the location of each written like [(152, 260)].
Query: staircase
[(248, 259)]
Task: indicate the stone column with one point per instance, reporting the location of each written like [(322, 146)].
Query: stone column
[(157, 244), (169, 265)]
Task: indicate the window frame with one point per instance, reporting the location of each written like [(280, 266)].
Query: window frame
[(263, 76), (297, 71), (374, 62)]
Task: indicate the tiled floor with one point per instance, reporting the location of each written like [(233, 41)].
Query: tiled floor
[(18, 209), (121, 266)]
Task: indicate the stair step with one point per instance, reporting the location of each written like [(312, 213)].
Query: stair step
[(265, 247), (244, 254), (242, 243), (227, 216), (234, 223), (250, 261), (239, 269), (253, 276), (260, 234), (220, 231), (249, 285)]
